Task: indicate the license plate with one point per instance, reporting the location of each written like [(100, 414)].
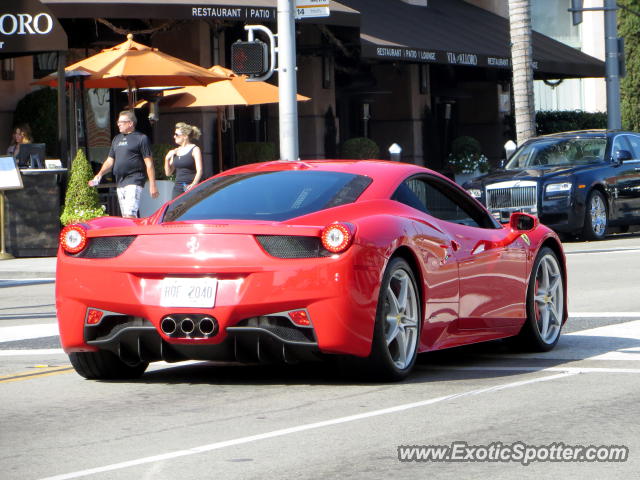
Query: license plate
[(188, 292)]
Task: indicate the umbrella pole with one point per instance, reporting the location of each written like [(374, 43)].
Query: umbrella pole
[(130, 86), (63, 127), (219, 137), (74, 120), (83, 121)]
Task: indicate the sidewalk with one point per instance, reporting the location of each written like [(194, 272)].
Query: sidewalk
[(25, 268)]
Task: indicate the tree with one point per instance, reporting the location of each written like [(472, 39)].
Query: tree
[(81, 201), (521, 57), (629, 29)]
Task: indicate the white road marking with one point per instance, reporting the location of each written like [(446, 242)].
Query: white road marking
[(25, 332), (31, 352), (619, 341), (301, 428), (527, 368), (603, 252)]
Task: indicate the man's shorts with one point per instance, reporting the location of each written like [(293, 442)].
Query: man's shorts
[(129, 200)]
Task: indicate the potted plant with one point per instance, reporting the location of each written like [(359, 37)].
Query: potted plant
[(466, 159), (359, 148), (81, 201)]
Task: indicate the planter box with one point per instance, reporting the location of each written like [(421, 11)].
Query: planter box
[(462, 178)]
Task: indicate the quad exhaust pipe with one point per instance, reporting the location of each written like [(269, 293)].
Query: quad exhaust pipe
[(184, 326), (187, 326), (208, 326), (168, 325)]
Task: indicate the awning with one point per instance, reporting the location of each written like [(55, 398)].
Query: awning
[(256, 11), (453, 32), (28, 27)]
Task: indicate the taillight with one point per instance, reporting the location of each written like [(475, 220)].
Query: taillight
[(73, 238), (300, 318), (94, 316), (337, 237)]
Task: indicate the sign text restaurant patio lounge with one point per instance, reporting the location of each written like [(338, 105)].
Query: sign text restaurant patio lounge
[(450, 58)]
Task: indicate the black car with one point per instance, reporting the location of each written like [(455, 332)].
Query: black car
[(578, 183)]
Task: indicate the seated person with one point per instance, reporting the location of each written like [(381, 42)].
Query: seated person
[(21, 135)]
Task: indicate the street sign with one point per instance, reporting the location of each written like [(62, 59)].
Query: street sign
[(311, 9)]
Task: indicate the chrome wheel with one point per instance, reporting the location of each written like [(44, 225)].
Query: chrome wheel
[(548, 299), (401, 319), (596, 219), (598, 215)]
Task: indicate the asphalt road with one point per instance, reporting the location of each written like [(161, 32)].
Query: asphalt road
[(201, 420)]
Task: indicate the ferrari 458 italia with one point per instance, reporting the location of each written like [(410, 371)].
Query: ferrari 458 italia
[(291, 261)]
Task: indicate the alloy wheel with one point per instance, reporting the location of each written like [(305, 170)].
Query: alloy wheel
[(598, 215), (401, 319), (549, 299)]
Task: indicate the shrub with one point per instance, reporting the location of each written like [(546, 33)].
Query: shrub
[(359, 148), (81, 202), (39, 109), (466, 156), (254, 152), (628, 28), (569, 120)]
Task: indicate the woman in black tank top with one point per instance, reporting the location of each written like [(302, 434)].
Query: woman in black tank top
[(186, 160)]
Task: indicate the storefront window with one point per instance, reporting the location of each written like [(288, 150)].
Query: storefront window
[(552, 18), (44, 64)]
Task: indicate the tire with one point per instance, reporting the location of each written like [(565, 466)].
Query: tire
[(545, 304), (396, 334), (104, 365), (596, 217)]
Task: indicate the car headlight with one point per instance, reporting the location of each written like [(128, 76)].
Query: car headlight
[(563, 187), (475, 192)]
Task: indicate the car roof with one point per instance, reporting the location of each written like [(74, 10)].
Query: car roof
[(386, 175), (594, 133)]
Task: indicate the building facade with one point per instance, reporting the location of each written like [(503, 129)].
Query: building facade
[(418, 73)]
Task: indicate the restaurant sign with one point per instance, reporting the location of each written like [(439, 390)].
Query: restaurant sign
[(418, 55), (28, 26)]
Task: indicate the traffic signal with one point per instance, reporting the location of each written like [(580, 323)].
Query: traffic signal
[(576, 11), (250, 58)]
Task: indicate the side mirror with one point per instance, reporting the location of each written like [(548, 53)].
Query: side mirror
[(622, 155), (523, 222)]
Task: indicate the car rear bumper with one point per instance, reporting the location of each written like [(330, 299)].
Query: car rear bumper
[(339, 293)]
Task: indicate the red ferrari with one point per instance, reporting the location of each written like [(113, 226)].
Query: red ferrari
[(291, 261)]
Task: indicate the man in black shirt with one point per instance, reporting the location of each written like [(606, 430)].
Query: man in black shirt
[(129, 156)]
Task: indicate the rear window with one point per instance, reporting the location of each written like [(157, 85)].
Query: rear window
[(274, 196)]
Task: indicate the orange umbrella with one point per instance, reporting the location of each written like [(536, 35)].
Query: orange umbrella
[(134, 65), (236, 90)]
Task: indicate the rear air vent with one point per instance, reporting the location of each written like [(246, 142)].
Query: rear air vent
[(106, 247), (292, 246)]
